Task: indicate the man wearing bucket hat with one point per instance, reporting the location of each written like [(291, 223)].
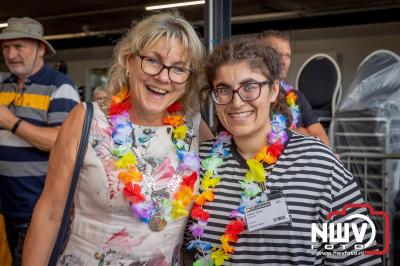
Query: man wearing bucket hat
[(34, 100)]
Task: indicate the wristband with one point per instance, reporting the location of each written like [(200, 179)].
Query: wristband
[(16, 125)]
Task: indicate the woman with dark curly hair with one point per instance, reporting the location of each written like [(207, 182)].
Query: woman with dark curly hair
[(264, 187)]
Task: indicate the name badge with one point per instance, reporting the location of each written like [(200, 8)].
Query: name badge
[(267, 214)]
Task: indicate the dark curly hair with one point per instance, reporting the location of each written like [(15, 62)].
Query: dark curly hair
[(258, 56)]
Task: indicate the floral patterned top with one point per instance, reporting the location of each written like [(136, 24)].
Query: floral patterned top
[(103, 230)]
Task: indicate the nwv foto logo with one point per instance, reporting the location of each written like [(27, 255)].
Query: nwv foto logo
[(335, 232)]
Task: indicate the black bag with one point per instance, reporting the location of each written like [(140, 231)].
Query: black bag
[(66, 219)]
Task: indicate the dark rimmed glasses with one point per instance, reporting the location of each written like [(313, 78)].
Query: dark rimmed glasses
[(247, 92), (153, 66)]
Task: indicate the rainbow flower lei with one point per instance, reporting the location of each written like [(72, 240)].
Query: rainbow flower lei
[(251, 194), (141, 204), (291, 99)]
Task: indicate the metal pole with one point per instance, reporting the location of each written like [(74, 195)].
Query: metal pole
[(217, 28)]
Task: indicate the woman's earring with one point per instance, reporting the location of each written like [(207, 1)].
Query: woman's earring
[(127, 73), (274, 96)]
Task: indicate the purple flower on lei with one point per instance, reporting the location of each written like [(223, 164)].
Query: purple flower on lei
[(189, 161), (122, 129), (278, 131), (282, 136), (122, 134), (218, 148), (122, 118), (224, 137), (286, 87), (197, 229), (237, 213), (142, 210)]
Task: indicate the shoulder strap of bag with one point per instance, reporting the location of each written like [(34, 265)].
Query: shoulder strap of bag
[(62, 233)]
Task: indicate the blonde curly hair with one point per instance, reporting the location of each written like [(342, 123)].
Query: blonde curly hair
[(147, 32)]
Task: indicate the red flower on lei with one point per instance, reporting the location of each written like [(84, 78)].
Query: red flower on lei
[(175, 107), (116, 109), (199, 213), (173, 120), (235, 227), (133, 193), (276, 149), (189, 180)]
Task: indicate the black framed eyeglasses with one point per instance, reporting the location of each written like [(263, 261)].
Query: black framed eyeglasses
[(153, 66), (247, 92)]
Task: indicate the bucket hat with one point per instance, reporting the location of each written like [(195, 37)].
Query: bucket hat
[(25, 28)]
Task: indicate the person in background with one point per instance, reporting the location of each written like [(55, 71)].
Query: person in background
[(140, 171), (34, 101), (99, 94), (303, 117), (262, 184)]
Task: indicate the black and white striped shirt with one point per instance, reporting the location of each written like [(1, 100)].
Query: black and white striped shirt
[(314, 183)]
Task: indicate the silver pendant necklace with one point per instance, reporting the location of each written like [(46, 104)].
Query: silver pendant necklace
[(157, 222)]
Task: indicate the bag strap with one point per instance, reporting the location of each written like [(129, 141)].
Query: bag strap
[(78, 164)]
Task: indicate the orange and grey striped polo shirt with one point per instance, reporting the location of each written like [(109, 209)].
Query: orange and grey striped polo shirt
[(46, 99)]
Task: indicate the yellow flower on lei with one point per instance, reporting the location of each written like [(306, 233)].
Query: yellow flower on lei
[(178, 210), (128, 159), (256, 171), (219, 256), (208, 181), (180, 132)]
